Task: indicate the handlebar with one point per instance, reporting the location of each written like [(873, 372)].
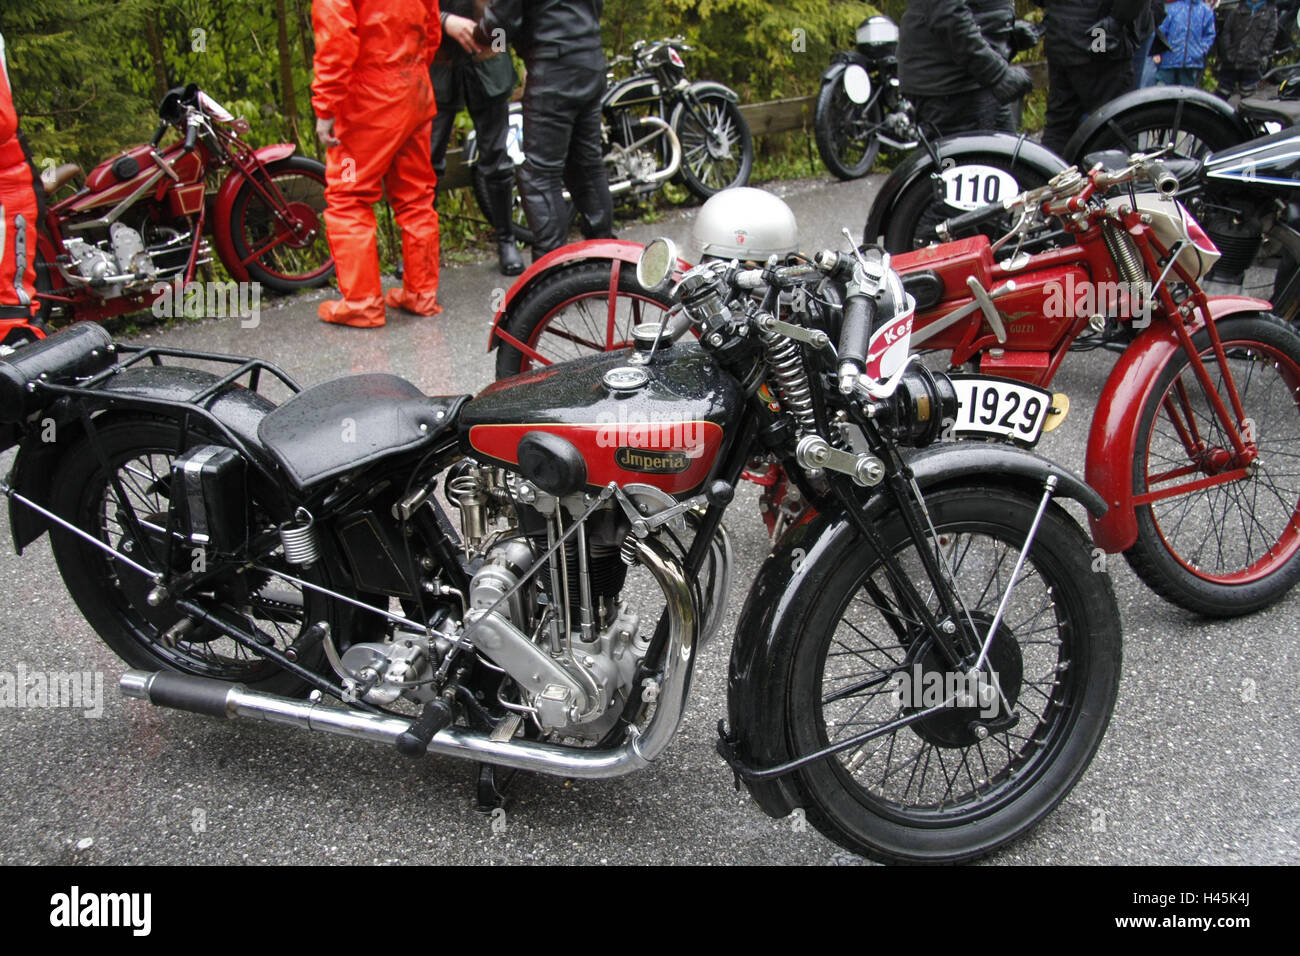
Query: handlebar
[(191, 135), (968, 220), (159, 133)]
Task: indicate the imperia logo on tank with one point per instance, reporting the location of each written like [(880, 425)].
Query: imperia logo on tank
[(650, 461)]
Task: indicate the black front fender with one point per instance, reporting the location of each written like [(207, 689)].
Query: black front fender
[(789, 583), (1018, 151), (701, 87), (38, 456), (840, 62)]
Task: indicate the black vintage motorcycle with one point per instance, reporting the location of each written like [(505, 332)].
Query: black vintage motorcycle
[(658, 126), (861, 109), (926, 668)]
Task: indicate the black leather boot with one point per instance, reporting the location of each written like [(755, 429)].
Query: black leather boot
[(501, 197)]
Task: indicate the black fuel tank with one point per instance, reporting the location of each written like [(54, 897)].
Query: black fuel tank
[(666, 430)]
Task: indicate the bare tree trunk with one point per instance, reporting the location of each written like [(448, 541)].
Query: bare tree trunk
[(288, 100), (153, 37)]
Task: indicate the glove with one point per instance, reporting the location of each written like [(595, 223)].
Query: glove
[(1014, 84), (1104, 36), (1024, 36)]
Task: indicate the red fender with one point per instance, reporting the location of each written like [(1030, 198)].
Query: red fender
[(225, 199), (614, 250), (1112, 440)]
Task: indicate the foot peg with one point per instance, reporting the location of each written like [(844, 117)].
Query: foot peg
[(437, 715)]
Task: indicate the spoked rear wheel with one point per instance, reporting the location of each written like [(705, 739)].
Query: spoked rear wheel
[(1230, 548), (959, 783), (113, 596), (576, 311)]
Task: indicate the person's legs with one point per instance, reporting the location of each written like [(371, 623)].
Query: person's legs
[(491, 116), (411, 187), (584, 173), (549, 115), (449, 95), (961, 113), (370, 134), (1064, 107)]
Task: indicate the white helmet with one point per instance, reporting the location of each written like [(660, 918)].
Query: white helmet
[(744, 223)]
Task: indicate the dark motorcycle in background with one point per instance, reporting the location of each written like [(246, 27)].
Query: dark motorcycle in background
[(144, 217), (860, 109), (238, 554), (658, 127)]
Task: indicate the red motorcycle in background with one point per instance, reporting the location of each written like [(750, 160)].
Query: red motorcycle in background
[(1196, 430), (142, 220)]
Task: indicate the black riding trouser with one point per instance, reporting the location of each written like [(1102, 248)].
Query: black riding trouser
[(1075, 91), (562, 144), (457, 86)]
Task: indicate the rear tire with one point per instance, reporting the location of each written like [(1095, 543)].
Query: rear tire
[(1198, 132), (111, 595), (303, 261)]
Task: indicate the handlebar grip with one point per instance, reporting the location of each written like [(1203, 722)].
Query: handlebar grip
[(159, 133), (191, 135), (966, 220), (1166, 182), (859, 317)]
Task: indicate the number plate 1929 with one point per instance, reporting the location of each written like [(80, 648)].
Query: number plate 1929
[(1001, 407)]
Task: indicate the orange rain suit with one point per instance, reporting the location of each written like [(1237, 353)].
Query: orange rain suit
[(372, 78), (19, 218)]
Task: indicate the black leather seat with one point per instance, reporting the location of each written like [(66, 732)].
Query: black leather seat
[(337, 426)]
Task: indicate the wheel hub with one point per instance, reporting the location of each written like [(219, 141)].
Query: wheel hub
[(978, 708)]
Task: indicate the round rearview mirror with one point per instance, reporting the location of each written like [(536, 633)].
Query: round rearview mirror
[(656, 265)]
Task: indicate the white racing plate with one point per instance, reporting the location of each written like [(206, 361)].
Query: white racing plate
[(1000, 407)]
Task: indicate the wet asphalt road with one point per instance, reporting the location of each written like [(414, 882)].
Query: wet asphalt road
[(1200, 764)]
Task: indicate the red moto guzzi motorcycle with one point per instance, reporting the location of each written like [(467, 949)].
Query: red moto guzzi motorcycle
[(1196, 427), (139, 225)]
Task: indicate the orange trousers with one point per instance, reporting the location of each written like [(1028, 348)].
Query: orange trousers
[(383, 147)]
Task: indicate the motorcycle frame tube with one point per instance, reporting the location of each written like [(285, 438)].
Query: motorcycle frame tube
[(1112, 437), (223, 202), (618, 252)]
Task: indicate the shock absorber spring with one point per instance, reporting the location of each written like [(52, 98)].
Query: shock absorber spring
[(1127, 259), (786, 365)]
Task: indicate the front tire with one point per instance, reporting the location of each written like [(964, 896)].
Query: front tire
[(846, 131), (1233, 548), (910, 224), (935, 792), (718, 154)]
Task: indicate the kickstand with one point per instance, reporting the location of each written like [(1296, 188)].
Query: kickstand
[(493, 781)]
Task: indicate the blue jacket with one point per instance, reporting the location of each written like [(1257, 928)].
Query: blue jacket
[(1188, 32)]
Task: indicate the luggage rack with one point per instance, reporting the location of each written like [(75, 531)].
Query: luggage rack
[(196, 405)]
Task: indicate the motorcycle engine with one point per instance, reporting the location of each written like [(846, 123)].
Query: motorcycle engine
[(1238, 237)]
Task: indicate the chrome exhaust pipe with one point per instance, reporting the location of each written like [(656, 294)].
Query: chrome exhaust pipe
[(659, 176), (214, 698)]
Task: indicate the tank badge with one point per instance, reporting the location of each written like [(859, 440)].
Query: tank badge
[(651, 462), (625, 378)]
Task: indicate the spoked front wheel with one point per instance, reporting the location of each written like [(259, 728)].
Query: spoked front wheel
[(847, 132), (988, 765), (1232, 546), (717, 147)]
